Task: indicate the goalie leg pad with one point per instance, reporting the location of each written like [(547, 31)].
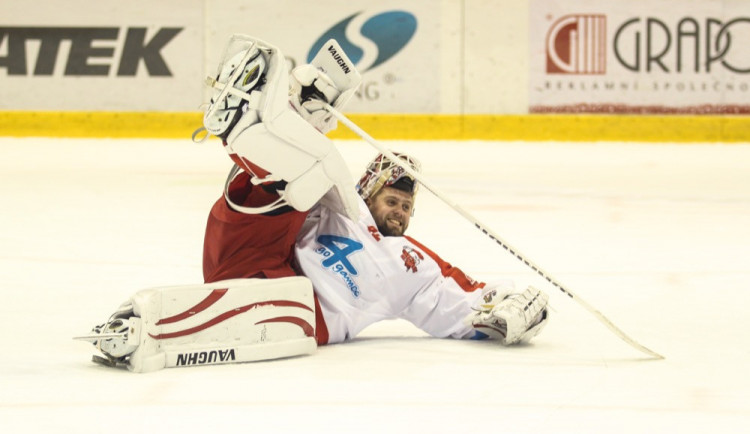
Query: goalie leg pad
[(231, 321), (269, 139), (292, 150)]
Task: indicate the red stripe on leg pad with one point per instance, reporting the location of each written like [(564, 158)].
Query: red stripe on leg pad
[(306, 327), (229, 314), (212, 298)]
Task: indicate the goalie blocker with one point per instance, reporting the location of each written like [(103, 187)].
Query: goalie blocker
[(231, 321)]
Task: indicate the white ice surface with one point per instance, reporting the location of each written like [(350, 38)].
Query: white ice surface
[(656, 236)]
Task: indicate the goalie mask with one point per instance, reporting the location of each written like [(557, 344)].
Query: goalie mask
[(381, 172), (241, 70)]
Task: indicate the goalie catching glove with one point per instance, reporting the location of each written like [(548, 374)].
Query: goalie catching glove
[(509, 317)]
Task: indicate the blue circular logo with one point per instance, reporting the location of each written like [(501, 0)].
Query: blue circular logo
[(389, 31)]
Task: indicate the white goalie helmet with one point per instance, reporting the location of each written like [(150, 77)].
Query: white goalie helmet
[(241, 70), (382, 172)]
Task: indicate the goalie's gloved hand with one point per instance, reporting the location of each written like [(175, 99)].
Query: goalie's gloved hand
[(309, 88), (511, 317)]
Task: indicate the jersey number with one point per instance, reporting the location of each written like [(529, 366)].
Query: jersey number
[(340, 248)]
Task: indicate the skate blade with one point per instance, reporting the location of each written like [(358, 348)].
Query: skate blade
[(99, 360), (96, 337)]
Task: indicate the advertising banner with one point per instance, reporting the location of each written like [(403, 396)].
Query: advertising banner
[(105, 55), (660, 56), (394, 44)]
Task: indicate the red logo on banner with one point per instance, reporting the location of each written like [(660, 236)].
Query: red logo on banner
[(577, 44)]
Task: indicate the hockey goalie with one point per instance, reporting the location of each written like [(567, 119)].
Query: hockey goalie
[(296, 254)]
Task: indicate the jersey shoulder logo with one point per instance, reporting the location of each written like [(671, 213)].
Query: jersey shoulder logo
[(374, 232)]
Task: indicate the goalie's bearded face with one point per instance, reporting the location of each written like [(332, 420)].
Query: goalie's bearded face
[(391, 209)]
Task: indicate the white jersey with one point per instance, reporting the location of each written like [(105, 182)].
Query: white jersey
[(361, 277)]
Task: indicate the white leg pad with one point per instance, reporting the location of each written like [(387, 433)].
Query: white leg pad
[(291, 149), (231, 321)]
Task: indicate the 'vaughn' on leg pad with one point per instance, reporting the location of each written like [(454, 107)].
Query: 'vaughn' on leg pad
[(230, 321)]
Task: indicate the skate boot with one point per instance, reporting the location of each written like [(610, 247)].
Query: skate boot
[(117, 338)]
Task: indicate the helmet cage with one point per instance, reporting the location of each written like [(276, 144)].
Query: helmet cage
[(382, 172)]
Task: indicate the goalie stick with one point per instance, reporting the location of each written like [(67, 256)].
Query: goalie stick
[(492, 234)]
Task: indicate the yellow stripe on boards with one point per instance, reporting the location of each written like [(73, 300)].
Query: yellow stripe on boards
[(535, 127), (99, 124), (588, 128)]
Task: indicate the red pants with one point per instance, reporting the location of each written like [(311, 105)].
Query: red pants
[(240, 245)]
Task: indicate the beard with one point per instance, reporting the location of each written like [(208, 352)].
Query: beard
[(393, 228)]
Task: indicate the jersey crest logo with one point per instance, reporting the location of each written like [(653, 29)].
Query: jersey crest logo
[(411, 258), (335, 251)]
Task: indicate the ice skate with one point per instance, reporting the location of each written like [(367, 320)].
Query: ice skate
[(117, 338)]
